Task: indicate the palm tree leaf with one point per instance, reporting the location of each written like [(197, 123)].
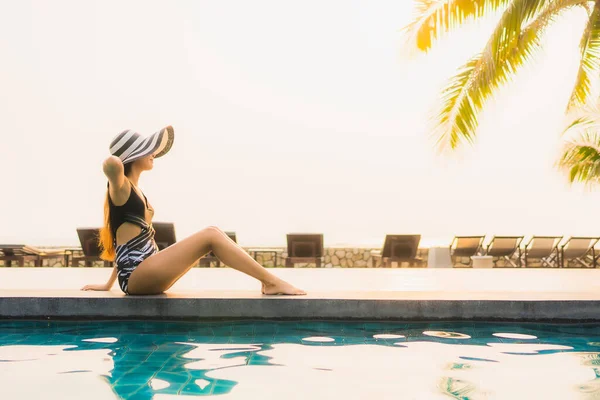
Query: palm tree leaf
[(584, 119), (457, 117), (589, 68), (581, 158), (435, 17), (510, 27), (477, 80)]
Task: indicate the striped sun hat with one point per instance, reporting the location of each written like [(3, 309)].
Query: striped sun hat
[(130, 146)]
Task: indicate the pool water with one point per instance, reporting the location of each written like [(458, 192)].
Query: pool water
[(298, 360)]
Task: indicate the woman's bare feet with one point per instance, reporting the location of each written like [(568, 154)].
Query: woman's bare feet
[(281, 287)]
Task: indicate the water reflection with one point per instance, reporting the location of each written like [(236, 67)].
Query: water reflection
[(388, 336), (447, 335), (143, 360), (514, 336)]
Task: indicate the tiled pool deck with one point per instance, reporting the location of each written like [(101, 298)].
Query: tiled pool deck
[(370, 294)]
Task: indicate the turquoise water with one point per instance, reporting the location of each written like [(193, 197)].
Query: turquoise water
[(308, 360)]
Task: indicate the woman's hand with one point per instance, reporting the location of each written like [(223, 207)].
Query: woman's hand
[(102, 288), (106, 286)]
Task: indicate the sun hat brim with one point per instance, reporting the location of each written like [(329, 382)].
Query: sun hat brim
[(159, 144)]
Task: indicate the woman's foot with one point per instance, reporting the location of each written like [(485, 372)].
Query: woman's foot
[(281, 287)]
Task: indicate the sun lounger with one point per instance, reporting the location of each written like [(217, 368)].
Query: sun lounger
[(21, 253), (580, 250), (164, 234), (465, 247), (504, 248), (543, 248), (88, 238), (304, 248), (398, 248)]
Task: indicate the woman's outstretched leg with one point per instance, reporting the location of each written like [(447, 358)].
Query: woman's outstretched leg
[(160, 271), (234, 256)]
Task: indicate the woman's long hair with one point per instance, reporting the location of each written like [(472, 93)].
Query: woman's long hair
[(106, 240)]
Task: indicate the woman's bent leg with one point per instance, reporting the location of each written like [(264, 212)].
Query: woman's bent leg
[(160, 271)]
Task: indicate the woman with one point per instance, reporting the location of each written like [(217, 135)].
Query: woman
[(128, 237)]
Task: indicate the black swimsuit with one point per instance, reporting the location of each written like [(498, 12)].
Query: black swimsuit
[(137, 249)]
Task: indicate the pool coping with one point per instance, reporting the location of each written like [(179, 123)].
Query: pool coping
[(198, 308), (348, 294)]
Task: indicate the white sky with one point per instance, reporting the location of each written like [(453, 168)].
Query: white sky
[(288, 116)]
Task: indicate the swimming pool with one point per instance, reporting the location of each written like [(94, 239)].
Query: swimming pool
[(298, 359)]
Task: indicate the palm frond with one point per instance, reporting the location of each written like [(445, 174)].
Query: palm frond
[(435, 17), (581, 158), (457, 117), (478, 79), (589, 68), (511, 25), (582, 120)]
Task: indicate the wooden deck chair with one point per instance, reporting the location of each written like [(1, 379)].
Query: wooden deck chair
[(210, 258), (579, 249), (21, 253), (543, 248), (304, 248), (164, 234), (399, 248), (504, 248), (88, 238), (465, 247)]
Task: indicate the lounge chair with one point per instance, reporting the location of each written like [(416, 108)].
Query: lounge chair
[(543, 248), (164, 234), (465, 247), (504, 248), (21, 253), (304, 248), (580, 250), (208, 259), (398, 248), (88, 238)]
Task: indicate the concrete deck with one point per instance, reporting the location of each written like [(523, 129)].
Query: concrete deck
[(407, 294)]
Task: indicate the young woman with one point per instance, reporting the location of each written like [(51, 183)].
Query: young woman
[(128, 237)]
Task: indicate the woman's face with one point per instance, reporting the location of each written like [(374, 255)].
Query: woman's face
[(146, 163)]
